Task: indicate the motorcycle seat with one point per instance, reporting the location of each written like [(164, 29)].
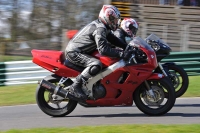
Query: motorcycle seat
[(67, 63)]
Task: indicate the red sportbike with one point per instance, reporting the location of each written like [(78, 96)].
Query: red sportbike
[(119, 83)]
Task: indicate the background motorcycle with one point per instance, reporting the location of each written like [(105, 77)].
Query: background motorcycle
[(176, 73), (120, 83)]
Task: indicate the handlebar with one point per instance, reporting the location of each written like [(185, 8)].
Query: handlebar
[(132, 58), (138, 56)]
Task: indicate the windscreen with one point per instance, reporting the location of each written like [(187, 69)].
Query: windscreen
[(156, 38), (139, 42)]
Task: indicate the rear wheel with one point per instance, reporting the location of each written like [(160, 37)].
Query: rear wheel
[(53, 105), (158, 104)]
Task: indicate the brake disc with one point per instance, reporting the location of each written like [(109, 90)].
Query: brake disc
[(158, 97), (175, 79)]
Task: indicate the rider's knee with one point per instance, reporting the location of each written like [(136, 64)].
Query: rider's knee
[(94, 70)]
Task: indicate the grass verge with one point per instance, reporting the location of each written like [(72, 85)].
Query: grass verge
[(19, 94), (5, 58), (142, 128)]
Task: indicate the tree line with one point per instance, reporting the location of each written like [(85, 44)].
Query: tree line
[(39, 19)]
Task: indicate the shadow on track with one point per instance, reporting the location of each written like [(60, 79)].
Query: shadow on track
[(184, 114), (137, 115), (187, 105), (110, 115)]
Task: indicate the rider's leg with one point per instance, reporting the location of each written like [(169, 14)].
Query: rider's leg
[(93, 66)]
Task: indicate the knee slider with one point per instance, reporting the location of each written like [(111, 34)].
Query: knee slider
[(94, 70)]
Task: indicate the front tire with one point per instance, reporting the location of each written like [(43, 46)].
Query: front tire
[(148, 106), (50, 106), (179, 79)]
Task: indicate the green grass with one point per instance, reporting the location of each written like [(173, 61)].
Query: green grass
[(19, 94), (142, 128), (4, 58), (25, 94), (194, 87)]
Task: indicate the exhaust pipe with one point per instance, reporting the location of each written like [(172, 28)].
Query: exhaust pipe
[(58, 90)]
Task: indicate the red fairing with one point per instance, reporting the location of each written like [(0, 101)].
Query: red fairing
[(152, 61), (116, 93), (106, 61), (156, 76), (53, 61)]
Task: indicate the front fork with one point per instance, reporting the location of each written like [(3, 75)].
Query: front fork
[(162, 69), (149, 90)]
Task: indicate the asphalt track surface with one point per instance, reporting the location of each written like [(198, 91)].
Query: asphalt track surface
[(185, 111)]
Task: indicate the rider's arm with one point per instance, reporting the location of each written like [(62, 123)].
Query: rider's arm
[(119, 34), (102, 44), (116, 41)]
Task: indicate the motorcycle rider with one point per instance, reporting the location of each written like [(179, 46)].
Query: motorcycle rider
[(128, 29), (94, 36)]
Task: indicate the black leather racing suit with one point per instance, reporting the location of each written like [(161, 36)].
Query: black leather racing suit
[(93, 36), (121, 34)]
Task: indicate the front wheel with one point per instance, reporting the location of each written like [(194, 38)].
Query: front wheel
[(157, 104), (179, 79), (51, 104)]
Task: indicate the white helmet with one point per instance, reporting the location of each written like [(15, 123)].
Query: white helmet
[(130, 26), (110, 16)]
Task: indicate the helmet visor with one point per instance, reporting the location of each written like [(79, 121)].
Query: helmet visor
[(115, 21), (133, 29)]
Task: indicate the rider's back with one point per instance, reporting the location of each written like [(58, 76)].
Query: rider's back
[(84, 40)]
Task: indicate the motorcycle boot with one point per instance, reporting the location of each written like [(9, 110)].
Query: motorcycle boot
[(76, 89)]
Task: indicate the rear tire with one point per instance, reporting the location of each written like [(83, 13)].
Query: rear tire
[(162, 85), (51, 107)]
